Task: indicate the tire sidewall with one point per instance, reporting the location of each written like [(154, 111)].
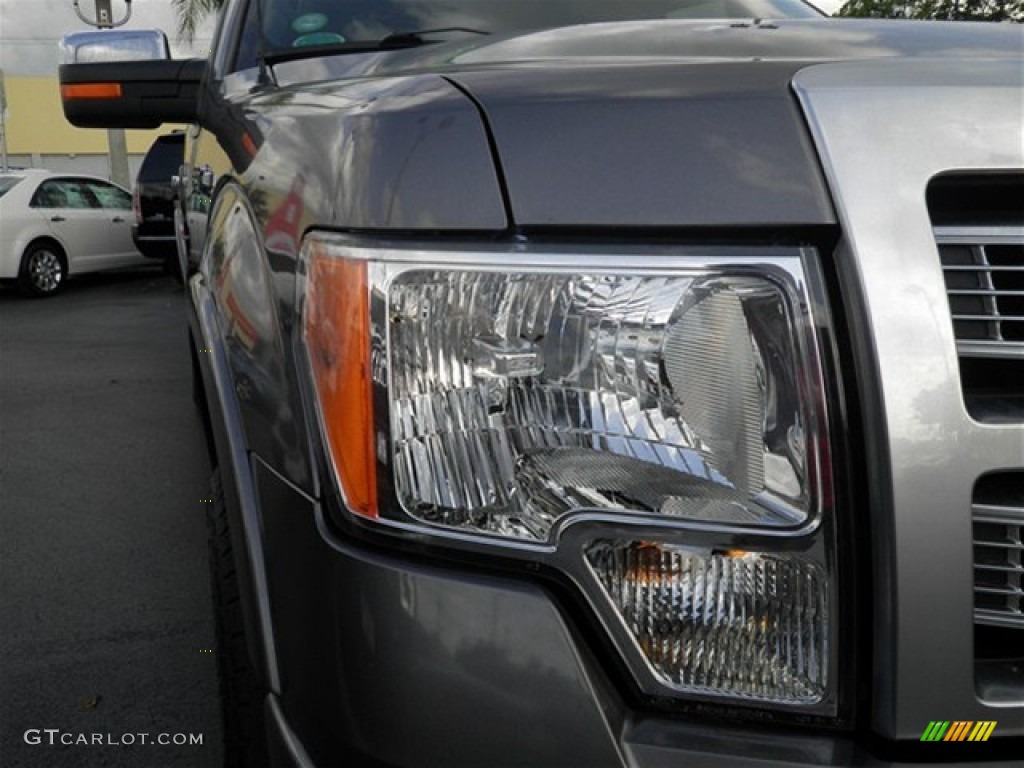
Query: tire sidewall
[(242, 713)]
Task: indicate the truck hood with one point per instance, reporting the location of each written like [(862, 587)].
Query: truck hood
[(651, 144), (661, 124)]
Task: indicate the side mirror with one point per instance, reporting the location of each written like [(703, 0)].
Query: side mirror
[(124, 79), (107, 45)]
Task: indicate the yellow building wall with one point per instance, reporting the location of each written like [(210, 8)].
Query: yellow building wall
[(36, 124)]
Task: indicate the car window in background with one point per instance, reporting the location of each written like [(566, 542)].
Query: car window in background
[(110, 196), (61, 193), (161, 164), (8, 182)]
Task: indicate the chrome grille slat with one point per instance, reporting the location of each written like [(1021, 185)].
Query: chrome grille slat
[(995, 316), (998, 564), (983, 268), (995, 619), (984, 348), (999, 568), (998, 514), (979, 268), (967, 234), (985, 292)]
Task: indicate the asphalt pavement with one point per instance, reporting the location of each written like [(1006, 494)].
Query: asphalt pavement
[(106, 630)]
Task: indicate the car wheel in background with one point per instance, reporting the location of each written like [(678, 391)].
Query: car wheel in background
[(43, 269), (245, 742)]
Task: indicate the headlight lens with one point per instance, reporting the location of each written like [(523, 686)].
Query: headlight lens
[(670, 405), (518, 398)]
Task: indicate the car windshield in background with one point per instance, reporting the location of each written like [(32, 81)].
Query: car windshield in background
[(7, 183), (293, 24)]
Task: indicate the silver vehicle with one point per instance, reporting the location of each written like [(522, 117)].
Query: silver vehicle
[(601, 384), (53, 225)]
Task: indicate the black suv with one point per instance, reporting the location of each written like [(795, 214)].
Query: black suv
[(153, 198)]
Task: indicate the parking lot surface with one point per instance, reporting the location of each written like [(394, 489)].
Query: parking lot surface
[(106, 629)]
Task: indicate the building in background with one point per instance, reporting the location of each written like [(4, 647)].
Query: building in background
[(37, 135)]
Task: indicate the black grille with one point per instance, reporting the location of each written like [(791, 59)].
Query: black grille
[(998, 517), (998, 565), (985, 285), (979, 229)]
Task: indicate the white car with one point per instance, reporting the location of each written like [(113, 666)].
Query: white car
[(53, 225)]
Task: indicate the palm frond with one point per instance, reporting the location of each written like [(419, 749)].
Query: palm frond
[(191, 14)]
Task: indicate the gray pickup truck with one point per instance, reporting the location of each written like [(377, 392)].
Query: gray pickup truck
[(611, 383)]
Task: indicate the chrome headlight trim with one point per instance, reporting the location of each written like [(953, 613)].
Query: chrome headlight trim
[(794, 268)]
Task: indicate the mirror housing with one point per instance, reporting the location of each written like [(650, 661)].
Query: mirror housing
[(124, 79), (107, 45), (138, 94)]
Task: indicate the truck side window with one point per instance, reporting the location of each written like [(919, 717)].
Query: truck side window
[(247, 53)]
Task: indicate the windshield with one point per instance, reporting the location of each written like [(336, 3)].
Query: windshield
[(299, 23), (7, 183)]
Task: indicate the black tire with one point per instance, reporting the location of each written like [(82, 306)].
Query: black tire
[(241, 698), (199, 400), (43, 270), (198, 393)]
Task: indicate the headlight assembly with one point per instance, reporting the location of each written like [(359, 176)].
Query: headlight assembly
[(665, 406)]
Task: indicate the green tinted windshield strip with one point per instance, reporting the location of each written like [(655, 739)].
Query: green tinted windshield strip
[(341, 27)]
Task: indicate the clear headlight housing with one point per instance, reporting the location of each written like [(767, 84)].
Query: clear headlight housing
[(508, 396)]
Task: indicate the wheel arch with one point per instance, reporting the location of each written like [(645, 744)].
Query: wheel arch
[(229, 451), (37, 238)]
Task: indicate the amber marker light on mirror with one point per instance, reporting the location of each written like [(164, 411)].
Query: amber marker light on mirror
[(91, 91), (336, 329)]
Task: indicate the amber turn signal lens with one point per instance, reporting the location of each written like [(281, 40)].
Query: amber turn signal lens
[(337, 338), (91, 91)]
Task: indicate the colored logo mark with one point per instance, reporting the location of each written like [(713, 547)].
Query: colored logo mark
[(958, 730)]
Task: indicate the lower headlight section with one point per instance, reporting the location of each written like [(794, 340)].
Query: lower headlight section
[(737, 623)]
